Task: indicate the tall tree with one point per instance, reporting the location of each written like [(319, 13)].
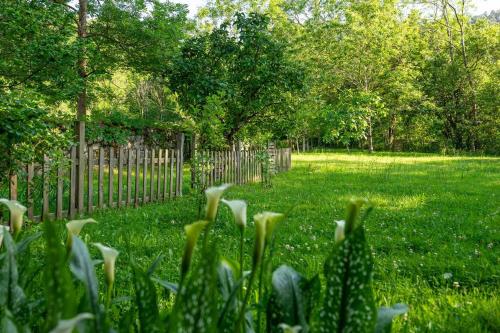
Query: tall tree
[(242, 64)]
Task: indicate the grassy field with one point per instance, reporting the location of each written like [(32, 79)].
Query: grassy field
[(434, 231)]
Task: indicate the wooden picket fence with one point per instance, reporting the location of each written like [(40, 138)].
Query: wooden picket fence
[(109, 177), (114, 177), (238, 166)]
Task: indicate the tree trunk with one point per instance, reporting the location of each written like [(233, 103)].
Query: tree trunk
[(82, 97), (391, 132), (470, 79), (370, 135)]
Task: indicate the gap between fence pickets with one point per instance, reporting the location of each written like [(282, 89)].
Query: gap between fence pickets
[(160, 169)]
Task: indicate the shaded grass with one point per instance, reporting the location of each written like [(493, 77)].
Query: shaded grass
[(433, 215)]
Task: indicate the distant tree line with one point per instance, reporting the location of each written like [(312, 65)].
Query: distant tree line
[(371, 74)]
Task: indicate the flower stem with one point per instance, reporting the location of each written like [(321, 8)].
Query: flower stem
[(108, 296), (239, 324), (261, 277), (242, 240)]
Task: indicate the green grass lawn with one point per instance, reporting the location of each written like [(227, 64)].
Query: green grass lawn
[(434, 231)]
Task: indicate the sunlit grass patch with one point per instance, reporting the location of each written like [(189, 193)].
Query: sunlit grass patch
[(434, 217)]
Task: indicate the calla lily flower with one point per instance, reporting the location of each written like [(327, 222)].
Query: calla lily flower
[(68, 325), (193, 231), (213, 197), (74, 227), (2, 230), (270, 220), (239, 209), (260, 239), (109, 255), (16, 214), (340, 231)]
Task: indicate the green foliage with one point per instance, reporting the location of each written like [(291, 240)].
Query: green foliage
[(82, 267), (237, 73), (146, 301), (292, 299), (348, 119), (28, 132), (60, 295), (349, 305)]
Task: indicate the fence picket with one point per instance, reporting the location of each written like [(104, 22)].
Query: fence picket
[(90, 179), (45, 189), (111, 177), (158, 180), (100, 195), (145, 177), (180, 164), (129, 176), (152, 177), (72, 186), (171, 188), (165, 175), (120, 176), (59, 193), (30, 170), (137, 174)]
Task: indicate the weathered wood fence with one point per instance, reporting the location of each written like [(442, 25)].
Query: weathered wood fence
[(238, 166), (113, 177), (104, 177)]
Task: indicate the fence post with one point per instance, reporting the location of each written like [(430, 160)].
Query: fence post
[(90, 176), (158, 178), (13, 186), (29, 189), (180, 163), (238, 162), (145, 177), (152, 177), (194, 148), (165, 175), (137, 175), (111, 177), (59, 193), (129, 175), (120, 176), (100, 180), (80, 178), (45, 189), (72, 186)]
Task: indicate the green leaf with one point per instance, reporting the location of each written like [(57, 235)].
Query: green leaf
[(292, 299), (146, 301), (68, 325), (59, 290), (173, 287), (348, 304), (228, 287), (195, 308), (154, 265), (11, 294), (25, 242), (7, 324), (82, 267), (385, 316)]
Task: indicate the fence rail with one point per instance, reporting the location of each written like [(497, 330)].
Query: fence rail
[(113, 177)]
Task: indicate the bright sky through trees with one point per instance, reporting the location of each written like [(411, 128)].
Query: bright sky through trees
[(481, 6)]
